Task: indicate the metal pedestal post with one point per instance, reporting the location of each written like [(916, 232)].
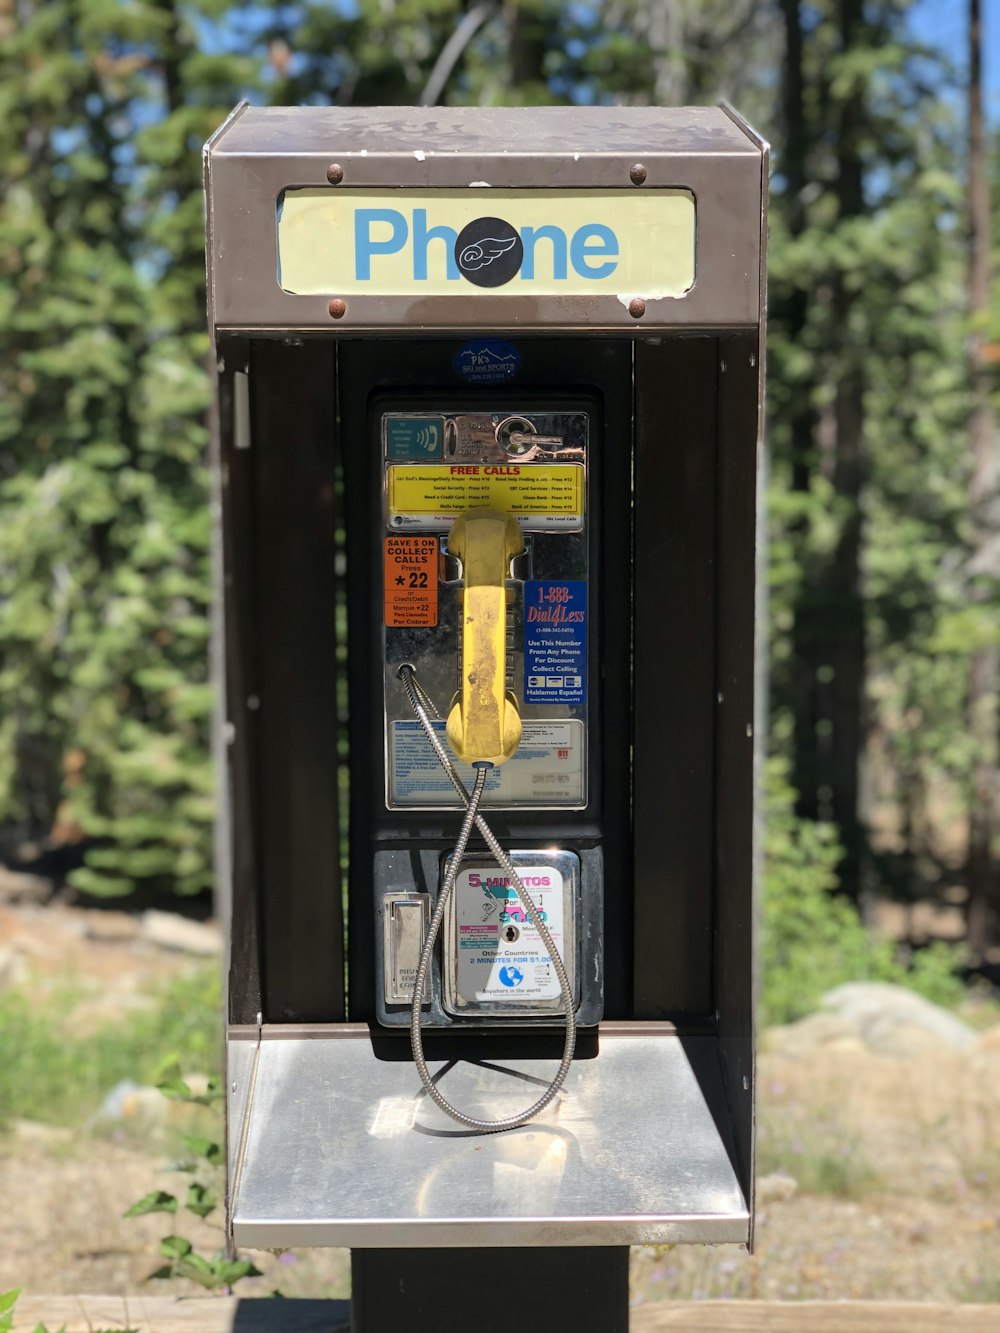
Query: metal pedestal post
[(492, 1291)]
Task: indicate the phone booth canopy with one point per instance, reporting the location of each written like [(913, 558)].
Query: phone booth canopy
[(489, 399)]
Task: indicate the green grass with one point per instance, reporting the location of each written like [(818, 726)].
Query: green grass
[(49, 1073), (978, 1283), (813, 1146), (979, 1008)]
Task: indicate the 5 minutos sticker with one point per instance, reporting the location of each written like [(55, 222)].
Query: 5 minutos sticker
[(411, 581)]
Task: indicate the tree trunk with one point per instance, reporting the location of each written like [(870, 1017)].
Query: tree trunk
[(982, 870), (807, 626), (845, 610), (525, 46), (828, 637)]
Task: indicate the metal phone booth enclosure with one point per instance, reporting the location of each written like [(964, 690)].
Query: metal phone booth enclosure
[(489, 404)]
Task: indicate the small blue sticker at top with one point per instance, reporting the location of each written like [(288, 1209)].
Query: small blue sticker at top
[(555, 642), (487, 362)]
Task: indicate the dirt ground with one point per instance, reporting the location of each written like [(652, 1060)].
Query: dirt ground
[(879, 1174)]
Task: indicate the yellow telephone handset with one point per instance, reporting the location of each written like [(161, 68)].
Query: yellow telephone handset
[(484, 724)]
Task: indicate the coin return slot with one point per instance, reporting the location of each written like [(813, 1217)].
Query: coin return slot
[(405, 917)]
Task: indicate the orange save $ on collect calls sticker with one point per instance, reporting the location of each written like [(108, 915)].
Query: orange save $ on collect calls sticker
[(411, 581)]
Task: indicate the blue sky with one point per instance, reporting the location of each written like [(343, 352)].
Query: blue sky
[(943, 25)]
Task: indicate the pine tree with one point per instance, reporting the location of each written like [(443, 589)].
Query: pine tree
[(104, 522), (863, 318), (983, 862)]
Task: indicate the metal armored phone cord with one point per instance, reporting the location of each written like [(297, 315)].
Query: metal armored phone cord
[(422, 706)]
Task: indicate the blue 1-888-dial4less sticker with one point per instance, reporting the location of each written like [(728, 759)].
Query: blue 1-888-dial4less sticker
[(555, 642)]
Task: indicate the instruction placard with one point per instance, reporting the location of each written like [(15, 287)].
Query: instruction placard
[(540, 495), (411, 581), (547, 769), (555, 642)]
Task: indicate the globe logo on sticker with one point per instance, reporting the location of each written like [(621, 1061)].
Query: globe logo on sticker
[(511, 976), (488, 251)]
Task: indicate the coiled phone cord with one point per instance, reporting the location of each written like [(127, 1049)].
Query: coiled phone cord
[(422, 707)]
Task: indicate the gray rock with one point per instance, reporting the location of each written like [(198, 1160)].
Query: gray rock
[(35, 1133), (801, 1040), (16, 886), (111, 927), (133, 1102), (113, 1106), (168, 931), (95, 1012), (11, 968), (775, 1188), (873, 1017), (895, 1020)]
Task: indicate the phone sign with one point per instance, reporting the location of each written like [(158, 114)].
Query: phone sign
[(438, 242), (555, 642)]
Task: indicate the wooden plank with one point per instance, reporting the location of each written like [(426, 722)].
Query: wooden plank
[(813, 1317), (194, 1314), (230, 1314)]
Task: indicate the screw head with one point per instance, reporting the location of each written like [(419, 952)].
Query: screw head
[(335, 173), (337, 308), (637, 174), (637, 307)]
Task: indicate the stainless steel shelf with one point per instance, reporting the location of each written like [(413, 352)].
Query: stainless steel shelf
[(333, 1146)]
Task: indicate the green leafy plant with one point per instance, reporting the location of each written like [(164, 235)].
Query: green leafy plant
[(813, 939), (8, 1299), (204, 1161), (213, 1273)]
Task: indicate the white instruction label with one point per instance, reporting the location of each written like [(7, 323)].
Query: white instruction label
[(500, 955), (547, 769)]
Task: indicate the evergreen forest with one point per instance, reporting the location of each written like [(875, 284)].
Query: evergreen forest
[(883, 374)]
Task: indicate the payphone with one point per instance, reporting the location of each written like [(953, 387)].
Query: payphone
[(489, 404), (486, 594)]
